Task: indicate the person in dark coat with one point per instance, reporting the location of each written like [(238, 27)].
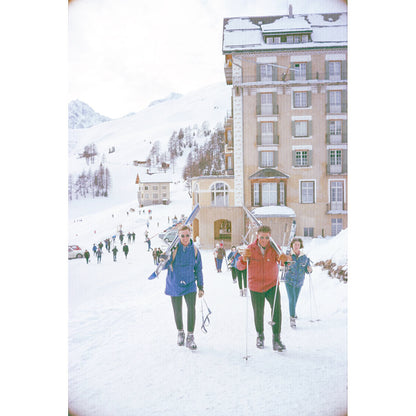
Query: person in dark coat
[(99, 252), (183, 279), (87, 255), (115, 251), (126, 249)]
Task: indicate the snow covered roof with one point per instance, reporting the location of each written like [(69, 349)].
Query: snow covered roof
[(159, 177), (274, 211), (248, 33)]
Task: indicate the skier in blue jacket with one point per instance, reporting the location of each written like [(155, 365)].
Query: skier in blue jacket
[(184, 268), (295, 276)]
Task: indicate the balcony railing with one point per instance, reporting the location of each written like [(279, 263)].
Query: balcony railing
[(336, 207), (336, 138), (267, 142), (340, 169), (285, 78)]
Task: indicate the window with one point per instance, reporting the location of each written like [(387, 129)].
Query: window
[(256, 194), (307, 192), (282, 196), (302, 158), (336, 226), (266, 133), (269, 193), (300, 71), (308, 231), (155, 187), (335, 101), (297, 39), (267, 159), (301, 128), (266, 103), (335, 161), (334, 70), (219, 194), (300, 99), (336, 195), (266, 72), (155, 196)]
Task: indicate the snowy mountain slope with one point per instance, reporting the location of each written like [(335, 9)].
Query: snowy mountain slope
[(81, 115), (133, 137)]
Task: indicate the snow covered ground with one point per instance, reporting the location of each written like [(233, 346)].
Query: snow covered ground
[(123, 357)]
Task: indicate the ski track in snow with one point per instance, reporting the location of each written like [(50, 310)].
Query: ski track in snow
[(123, 357)]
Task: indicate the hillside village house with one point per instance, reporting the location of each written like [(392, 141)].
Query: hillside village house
[(286, 139), (154, 188)]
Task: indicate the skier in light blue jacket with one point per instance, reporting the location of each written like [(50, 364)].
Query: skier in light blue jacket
[(295, 276), (183, 278)]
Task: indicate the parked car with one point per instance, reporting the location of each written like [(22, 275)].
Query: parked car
[(75, 252), (169, 236)]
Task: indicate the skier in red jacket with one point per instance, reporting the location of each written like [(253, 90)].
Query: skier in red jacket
[(263, 270)]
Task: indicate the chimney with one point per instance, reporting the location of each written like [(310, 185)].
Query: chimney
[(290, 11)]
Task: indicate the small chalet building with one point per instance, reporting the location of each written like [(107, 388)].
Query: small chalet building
[(154, 188)]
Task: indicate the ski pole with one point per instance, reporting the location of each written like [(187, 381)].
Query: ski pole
[(246, 356)]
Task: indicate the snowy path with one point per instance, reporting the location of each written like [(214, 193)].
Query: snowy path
[(123, 357)]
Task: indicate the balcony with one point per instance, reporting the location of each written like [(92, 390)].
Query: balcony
[(336, 207), (336, 108), (267, 141), (336, 138), (339, 169)]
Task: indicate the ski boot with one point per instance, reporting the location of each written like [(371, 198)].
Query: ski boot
[(181, 337), (277, 343), (293, 323), (190, 343), (260, 341)]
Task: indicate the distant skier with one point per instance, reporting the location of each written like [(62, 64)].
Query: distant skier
[(133, 234), (94, 249), (126, 249), (87, 255), (99, 252), (115, 251), (219, 254), (129, 237), (155, 256), (295, 276), (148, 244)]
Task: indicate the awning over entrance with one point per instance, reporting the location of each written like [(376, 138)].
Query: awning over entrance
[(269, 174)]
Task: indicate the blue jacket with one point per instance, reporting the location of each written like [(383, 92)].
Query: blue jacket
[(234, 260), (184, 271), (295, 274)]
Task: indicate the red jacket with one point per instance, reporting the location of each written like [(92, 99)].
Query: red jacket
[(262, 270)]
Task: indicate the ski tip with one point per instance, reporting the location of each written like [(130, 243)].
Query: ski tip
[(152, 276)]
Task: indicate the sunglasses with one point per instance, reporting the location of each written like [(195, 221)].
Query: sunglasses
[(264, 238), (185, 235)]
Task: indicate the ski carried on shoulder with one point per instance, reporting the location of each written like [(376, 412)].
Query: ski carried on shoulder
[(288, 248), (256, 223), (164, 258)]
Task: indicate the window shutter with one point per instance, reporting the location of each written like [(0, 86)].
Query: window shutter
[(343, 69), (344, 101), (293, 129), (274, 73), (326, 69), (293, 157), (274, 98), (258, 75), (344, 161), (344, 131), (258, 138), (275, 136), (275, 158), (309, 70), (260, 165), (309, 127), (310, 158), (258, 104), (292, 73), (309, 94), (252, 194)]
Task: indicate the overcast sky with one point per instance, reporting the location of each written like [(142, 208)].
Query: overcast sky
[(124, 54)]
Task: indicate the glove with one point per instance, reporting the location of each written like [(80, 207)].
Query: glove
[(246, 253), (284, 258), (200, 293)]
